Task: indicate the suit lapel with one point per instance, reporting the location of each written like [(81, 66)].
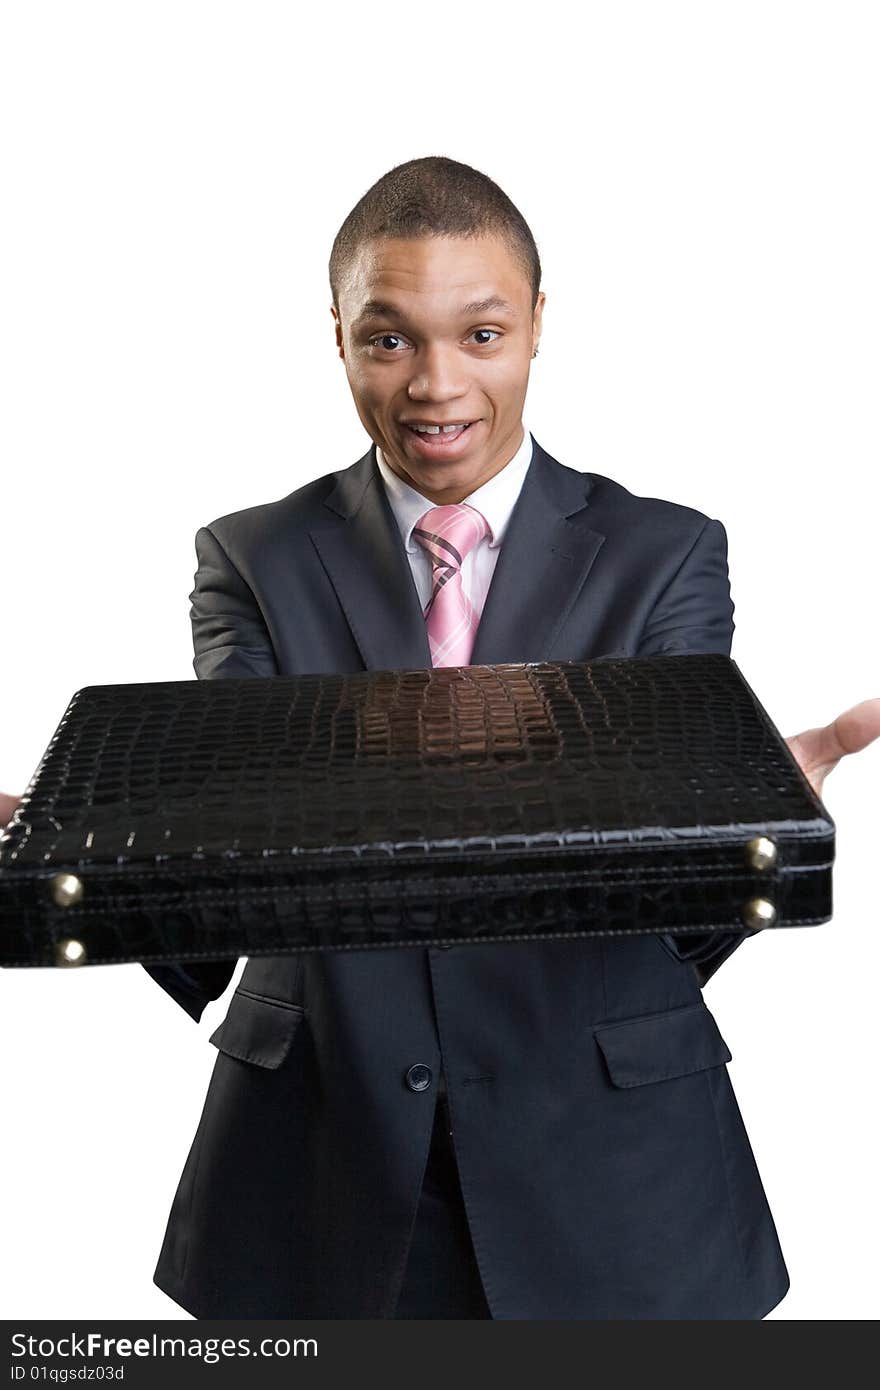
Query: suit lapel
[(364, 556), (547, 553)]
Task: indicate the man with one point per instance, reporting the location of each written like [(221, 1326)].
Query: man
[(525, 1130)]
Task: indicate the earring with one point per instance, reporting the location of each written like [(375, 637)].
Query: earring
[(535, 353)]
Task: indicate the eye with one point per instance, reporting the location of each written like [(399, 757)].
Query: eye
[(388, 341), (383, 340)]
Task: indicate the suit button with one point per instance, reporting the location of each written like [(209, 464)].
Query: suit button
[(418, 1078)]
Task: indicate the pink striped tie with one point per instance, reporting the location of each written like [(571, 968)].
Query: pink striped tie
[(448, 534)]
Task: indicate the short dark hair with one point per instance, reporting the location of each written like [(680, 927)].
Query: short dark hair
[(434, 196)]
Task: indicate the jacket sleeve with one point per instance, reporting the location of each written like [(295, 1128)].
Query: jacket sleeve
[(230, 638), (694, 614)]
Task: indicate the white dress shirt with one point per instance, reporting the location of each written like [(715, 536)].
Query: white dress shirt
[(495, 499)]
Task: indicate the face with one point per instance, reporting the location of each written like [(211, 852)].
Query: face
[(439, 330)]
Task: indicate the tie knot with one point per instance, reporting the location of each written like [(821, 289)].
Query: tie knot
[(450, 533)]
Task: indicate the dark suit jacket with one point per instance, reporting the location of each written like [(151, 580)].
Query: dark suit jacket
[(604, 1164)]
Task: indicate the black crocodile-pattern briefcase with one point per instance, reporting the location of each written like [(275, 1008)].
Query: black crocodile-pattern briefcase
[(208, 819)]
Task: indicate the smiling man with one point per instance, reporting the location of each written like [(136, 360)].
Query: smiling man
[(437, 334), (526, 1130)]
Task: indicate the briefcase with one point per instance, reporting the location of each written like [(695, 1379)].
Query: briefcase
[(187, 820)]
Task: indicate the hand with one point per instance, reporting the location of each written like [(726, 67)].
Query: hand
[(817, 751), (7, 806)]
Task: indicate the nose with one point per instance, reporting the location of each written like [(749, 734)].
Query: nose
[(438, 376)]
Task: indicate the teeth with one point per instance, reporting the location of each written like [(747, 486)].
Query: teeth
[(436, 429)]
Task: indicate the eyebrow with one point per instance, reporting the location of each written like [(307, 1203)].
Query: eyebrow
[(376, 309)]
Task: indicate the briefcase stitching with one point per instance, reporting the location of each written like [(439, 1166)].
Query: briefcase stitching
[(275, 948), (331, 856), (369, 889)]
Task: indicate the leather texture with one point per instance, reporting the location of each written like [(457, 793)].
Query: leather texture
[(496, 802)]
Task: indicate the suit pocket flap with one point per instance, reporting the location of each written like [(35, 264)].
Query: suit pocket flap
[(657, 1047), (258, 1029)]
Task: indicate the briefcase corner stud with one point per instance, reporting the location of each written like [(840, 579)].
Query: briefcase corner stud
[(761, 852), (758, 913), (67, 890), (70, 951)]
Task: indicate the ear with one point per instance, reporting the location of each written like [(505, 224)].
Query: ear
[(339, 346), (536, 319)]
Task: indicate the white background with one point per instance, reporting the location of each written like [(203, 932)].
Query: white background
[(701, 180)]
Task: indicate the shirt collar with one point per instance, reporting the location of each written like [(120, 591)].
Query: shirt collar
[(496, 499)]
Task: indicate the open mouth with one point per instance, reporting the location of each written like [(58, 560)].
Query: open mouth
[(440, 434), (438, 442)]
